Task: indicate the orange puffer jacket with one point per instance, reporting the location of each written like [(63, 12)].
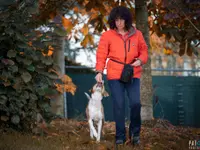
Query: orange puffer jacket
[(113, 46)]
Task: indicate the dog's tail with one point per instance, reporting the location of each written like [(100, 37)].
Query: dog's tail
[(87, 95)]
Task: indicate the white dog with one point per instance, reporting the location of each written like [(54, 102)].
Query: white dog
[(95, 111)]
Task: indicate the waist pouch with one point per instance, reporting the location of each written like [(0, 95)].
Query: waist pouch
[(127, 72)]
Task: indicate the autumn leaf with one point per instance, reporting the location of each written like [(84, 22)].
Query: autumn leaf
[(85, 41), (75, 9), (93, 10), (85, 30), (108, 8), (66, 88), (94, 14), (44, 54), (30, 43), (168, 51), (52, 15), (101, 147), (50, 51), (102, 10), (91, 39), (89, 5), (157, 2), (68, 85), (50, 48), (67, 24), (66, 79), (83, 12), (52, 70), (59, 88), (39, 34), (70, 88), (85, 2)]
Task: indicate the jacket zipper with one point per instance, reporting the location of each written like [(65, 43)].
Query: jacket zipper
[(125, 48), (125, 51), (129, 45)]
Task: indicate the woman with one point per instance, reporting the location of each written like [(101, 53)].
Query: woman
[(123, 43)]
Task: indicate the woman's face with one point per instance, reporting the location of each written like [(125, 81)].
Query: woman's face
[(120, 23)]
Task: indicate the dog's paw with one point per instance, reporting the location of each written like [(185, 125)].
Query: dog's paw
[(95, 134), (98, 139), (91, 136)]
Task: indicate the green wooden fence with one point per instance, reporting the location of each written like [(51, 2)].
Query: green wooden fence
[(176, 99)]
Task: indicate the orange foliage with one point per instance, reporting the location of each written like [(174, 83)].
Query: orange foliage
[(168, 51), (67, 24), (108, 8), (94, 14), (85, 2), (83, 11), (91, 39), (21, 53), (52, 15), (76, 9), (39, 34), (85, 41), (85, 30), (66, 88), (66, 79), (30, 43), (67, 85), (52, 70), (50, 51), (157, 2)]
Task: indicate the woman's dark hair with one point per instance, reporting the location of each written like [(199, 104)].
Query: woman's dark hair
[(122, 13)]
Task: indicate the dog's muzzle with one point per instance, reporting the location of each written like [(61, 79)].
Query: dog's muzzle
[(99, 84)]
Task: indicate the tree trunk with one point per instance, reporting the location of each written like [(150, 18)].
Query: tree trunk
[(59, 60), (146, 79)]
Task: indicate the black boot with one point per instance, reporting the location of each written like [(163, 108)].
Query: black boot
[(136, 140)]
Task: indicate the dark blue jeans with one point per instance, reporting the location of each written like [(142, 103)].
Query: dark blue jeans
[(118, 89)]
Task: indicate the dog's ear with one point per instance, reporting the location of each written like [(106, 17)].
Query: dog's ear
[(105, 94), (91, 91)]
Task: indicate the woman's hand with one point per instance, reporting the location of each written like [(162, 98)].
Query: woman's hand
[(98, 77), (137, 63)]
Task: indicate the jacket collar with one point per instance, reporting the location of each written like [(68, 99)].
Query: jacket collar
[(131, 31)]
